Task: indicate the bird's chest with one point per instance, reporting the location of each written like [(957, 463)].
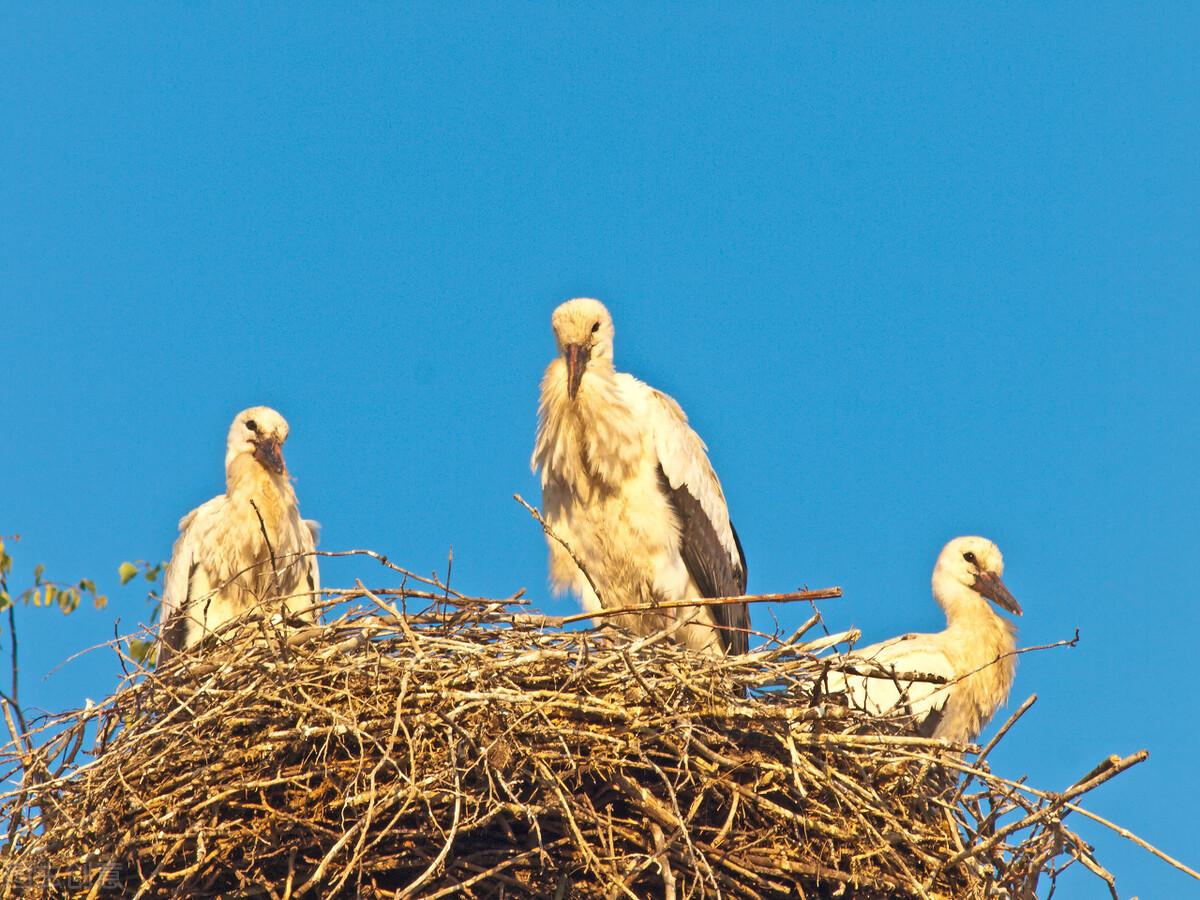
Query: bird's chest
[(986, 669), (601, 455), (259, 540), (626, 534), (270, 525)]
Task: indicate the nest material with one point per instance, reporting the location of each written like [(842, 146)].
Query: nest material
[(472, 750)]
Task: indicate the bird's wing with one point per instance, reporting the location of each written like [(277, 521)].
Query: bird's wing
[(186, 577), (709, 545), (309, 539), (314, 532), (910, 654)]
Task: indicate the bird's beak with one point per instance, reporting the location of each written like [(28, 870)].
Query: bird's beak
[(577, 357), (269, 453), (989, 585)]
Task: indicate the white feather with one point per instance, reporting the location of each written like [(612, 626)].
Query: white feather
[(684, 459), (974, 654), (599, 454), (241, 548)]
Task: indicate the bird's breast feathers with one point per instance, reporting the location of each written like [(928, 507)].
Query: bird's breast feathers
[(591, 443)]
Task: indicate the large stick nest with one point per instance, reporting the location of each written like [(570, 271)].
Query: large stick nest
[(475, 749)]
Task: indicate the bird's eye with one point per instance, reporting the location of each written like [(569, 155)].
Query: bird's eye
[(970, 557), (252, 425), (595, 328)]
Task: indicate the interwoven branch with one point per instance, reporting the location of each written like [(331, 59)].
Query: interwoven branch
[(473, 748)]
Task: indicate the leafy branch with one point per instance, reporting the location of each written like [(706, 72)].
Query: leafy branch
[(45, 591), (143, 651)]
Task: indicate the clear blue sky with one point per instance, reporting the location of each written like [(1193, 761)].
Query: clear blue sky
[(914, 270)]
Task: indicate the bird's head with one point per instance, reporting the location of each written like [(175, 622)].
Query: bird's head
[(260, 432), (583, 330), (976, 563)]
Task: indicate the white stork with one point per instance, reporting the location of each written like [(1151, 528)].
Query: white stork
[(975, 654), (244, 547), (627, 485)]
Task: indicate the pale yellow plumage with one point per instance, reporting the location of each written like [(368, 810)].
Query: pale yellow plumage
[(628, 485), (974, 653), (244, 547)]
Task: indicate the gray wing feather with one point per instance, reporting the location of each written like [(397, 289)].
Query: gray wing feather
[(710, 565)]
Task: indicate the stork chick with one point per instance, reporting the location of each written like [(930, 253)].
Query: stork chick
[(627, 484), (975, 653), (244, 547)]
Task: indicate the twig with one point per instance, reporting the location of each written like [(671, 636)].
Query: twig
[(13, 698), (1130, 836), (386, 563), (469, 747), (822, 594), (571, 553), (1046, 811), (270, 550), (990, 745)]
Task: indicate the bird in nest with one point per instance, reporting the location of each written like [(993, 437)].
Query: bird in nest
[(974, 656), (244, 548), (628, 486)]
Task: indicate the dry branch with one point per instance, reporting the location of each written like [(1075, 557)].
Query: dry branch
[(474, 748)]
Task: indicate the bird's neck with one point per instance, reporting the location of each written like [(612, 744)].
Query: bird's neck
[(589, 439), (985, 634), (979, 645), (246, 479)]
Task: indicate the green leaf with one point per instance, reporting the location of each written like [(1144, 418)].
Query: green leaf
[(127, 571), (86, 584), (68, 600), (141, 651), (37, 573), (5, 601)]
